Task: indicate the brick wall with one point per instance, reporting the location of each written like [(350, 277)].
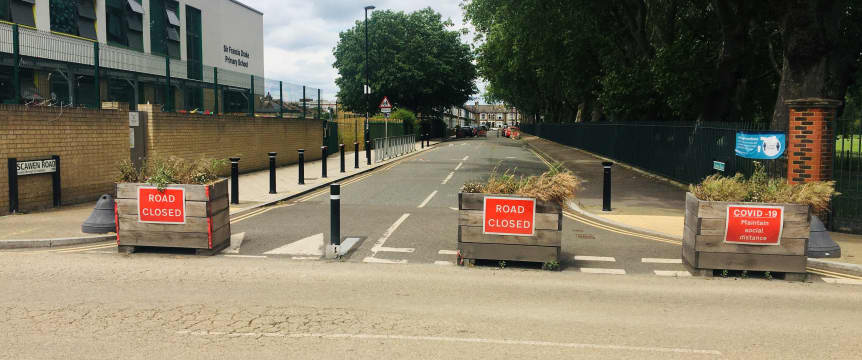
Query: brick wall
[(811, 140), (192, 137), (90, 144)]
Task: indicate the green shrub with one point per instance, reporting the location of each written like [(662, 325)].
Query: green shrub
[(161, 172), (761, 188)]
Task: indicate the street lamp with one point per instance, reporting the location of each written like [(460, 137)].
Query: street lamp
[(366, 88)]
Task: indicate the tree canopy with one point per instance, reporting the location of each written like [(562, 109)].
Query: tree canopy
[(413, 58), (708, 60)]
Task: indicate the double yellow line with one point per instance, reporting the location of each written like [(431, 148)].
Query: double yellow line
[(832, 274), (593, 223), (70, 249)]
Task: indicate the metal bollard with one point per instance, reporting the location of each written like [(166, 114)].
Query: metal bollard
[(368, 151), (234, 180), (422, 141), (272, 173), (301, 166), (355, 155), (323, 160), (341, 149), (606, 193), (427, 139), (335, 214)]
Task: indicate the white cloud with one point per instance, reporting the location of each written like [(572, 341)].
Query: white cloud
[(299, 35)]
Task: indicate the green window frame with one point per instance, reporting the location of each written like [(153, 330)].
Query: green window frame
[(164, 29), (19, 11), (5, 13)]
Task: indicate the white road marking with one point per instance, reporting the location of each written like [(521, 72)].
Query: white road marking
[(310, 246), (603, 271), (375, 260), (653, 349), (453, 208), (595, 258), (391, 249), (378, 246), (305, 258), (459, 166), (661, 261), (447, 252), (235, 243), (466, 158), (451, 145), (444, 263), (672, 273), (449, 177), (842, 281), (428, 199), (510, 157), (245, 256)]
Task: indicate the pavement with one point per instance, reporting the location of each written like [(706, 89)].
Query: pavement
[(645, 202), (62, 226)]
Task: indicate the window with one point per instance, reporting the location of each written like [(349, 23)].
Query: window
[(74, 17), (18, 11), (165, 28), (124, 23), (194, 57)]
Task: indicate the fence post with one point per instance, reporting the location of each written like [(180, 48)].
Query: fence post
[(16, 63), (96, 79), (56, 183), (272, 173), (13, 185), (304, 103), (168, 90), (251, 97), (280, 100), (215, 89)]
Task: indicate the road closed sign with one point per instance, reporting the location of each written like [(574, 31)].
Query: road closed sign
[(509, 216), (161, 207), (754, 225)]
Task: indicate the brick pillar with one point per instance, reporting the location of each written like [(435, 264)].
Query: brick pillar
[(811, 140)]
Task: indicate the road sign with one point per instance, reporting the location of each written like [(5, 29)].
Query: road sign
[(718, 165), (754, 224), (385, 105), (161, 207), (509, 216)]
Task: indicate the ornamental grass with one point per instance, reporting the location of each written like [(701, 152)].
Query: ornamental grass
[(555, 185)]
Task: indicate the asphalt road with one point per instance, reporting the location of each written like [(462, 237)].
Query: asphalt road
[(407, 214)]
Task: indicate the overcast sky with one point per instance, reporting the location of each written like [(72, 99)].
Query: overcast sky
[(299, 35)]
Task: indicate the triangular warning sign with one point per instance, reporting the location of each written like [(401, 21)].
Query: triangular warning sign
[(385, 104)]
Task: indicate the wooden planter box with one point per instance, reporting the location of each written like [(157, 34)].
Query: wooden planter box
[(207, 220), (704, 248), (473, 244)]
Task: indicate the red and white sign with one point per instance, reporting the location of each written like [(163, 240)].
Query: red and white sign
[(509, 216), (754, 225), (385, 105), (161, 207)]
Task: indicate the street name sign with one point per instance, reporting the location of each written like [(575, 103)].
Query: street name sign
[(385, 105), (167, 206), (509, 216), (754, 224), (36, 167)]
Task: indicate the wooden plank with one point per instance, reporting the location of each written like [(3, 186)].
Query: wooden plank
[(475, 218), (792, 229), (473, 201), (218, 189), (164, 239), (473, 234), (691, 206), (193, 208), (509, 252), (193, 192), (718, 210), (221, 235), (689, 237), (192, 225), (751, 262), (715, 243)]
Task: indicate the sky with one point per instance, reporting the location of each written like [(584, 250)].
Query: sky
[(299, 35)]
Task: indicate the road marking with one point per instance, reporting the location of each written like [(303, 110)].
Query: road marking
[(672, 273), (842, 281), (595, 258), (466, 158), (603, 271), (453, 208), (653, 349), (449, 177), (833, 274), (375, 260), (443, 263), (84, 248), (391, 249), (305, 258), (459, 166), (378, 246), (312, 245), (245, 256), (661, 261), (235, 243), (422, 205), (510, 157), (451, 145), (618, 231), (447, 252)]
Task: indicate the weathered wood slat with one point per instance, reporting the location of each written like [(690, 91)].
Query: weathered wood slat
[(473, 234), (718, 210), (164, 239), (691, 219), (202, 209), (751, 262), (192, 225), (715, 243), (473, 201), (543, 221), (792, 229), (509, 252), (218, 189)]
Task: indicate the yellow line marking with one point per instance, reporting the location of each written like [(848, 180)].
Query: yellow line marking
[(85, 249), (619, 231), (834, 274)]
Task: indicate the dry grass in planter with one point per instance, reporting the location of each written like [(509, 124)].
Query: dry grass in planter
[(556, 185)]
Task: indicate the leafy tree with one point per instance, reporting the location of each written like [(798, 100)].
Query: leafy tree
[(414, 59), (408, 119)]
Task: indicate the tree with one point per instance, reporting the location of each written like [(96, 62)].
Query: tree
[(414, 59)]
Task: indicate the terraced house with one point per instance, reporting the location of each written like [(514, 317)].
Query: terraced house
[(186, 54)]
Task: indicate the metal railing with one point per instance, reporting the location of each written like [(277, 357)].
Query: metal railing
[(388, 148)]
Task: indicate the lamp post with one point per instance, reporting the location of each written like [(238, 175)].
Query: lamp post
[(366, 88)]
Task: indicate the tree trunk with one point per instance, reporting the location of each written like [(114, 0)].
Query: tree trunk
[(814, 67), (719, 105)]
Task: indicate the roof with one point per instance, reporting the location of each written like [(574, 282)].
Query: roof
[(489, 108), (246, 6)]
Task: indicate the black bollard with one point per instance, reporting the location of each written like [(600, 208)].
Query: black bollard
[(323, 159), (234, 180), (272, 173), (341, 149), (335, 214), (606, 194), (355, 155), (422, 141), (427, 139), (368, 151), (301, 166)]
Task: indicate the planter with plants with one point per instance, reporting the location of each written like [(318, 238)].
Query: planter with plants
[(173, 203), (514, 218), (754, 224)]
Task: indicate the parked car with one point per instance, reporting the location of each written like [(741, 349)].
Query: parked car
[(483, 131)]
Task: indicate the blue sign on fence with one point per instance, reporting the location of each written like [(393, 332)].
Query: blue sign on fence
[(760, 145)]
